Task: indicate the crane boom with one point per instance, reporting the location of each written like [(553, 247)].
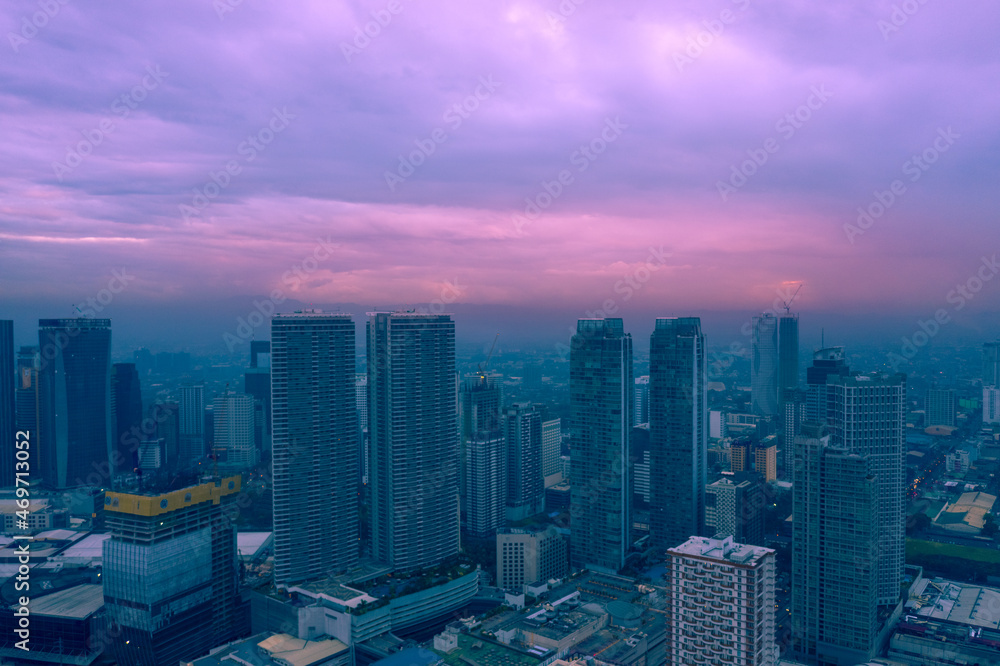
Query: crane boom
[(489, 355), (788, 303)]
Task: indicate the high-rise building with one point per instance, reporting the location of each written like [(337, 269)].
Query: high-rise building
[(480, 402), (991, 363), (314, 449), (26, 394), (235, 429), (765, 458), (170, 572), (735, 506), (641, 400), (788, 352), (74, 400), (601, 395), (525, 483), (525, 557), (835, 542), (991, 405), (793, 414), (641, 463), (7, 403), (741, 455), (551, 449), (827, 362), (722, 603), (413, 433), (866, 414), (257, 383), (126, 406), (486, 484), (361, 398), (764, 365), (191, 424), (678, 431), (939, 407), (167, 418)]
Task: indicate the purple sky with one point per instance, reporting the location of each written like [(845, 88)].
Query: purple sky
[(674, 122)]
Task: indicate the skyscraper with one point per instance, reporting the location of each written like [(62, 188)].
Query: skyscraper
[(7, 403), (939, 407), (866, 415), (525, 483), (764, 365), (170, 574), (834, 550), (641, 400), (191, 424), (314, 450), (734, 506), (126, 405), (486, 484), (75, 400), (413, 436), (991, 363), (788, 353), (234, 429), (26, 393), (257, 383), (826, 362), (601, 395), (480, 402), (551, 447), (678, 431)]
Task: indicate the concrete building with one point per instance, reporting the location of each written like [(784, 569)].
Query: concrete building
[(716, 424), (314, 448), (170, 573), (735, 506), (191, 424), (827, 362), (939, 407), (235, 430), (522, 425), (765, 458), (678, 431), (722, 598), (551, 451), (835, 543), (991, 363), (641, 400), (991, 405), (601, 396), (126, 409), (741, 456), (413, 430), (525, 557), (257, 383), (486, 484)]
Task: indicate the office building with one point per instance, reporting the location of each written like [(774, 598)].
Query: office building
[(866, 414), (76, 423), (235, 430), (314, 449), (827, 362), (678, 431), (551, 450), (764, 365), (191, 424), (149, 456), (794, 408), (166, 416), (525, 483), (257, 383), (722, 603), (835, 545), (601, 394), (741, 455), (413, 437), (991, 405), (765, 458), (939, 407), (525, 557), (361, 401), (126, 406), (486, 489), (641, 400), (788, 353), (735, 506), (170, 574), (991, 363), (641, 464), (7, 403), (480, 403)]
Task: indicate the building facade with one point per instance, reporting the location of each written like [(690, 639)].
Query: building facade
[(939, 407), (522, 425), (191, 424), (236, 429), (525, 557), (126, 406), (764, 365), (486, 484), (735, 506), (314, 447)]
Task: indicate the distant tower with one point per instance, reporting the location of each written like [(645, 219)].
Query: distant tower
[(7, 409), (734, 506), (991, 363), (191, 428), (939, 407), (678, 431), (826, 363), (413, 430), (257, 383), (788, 353), (525, 483), (234, 429), (601, 394), (486, 479), (764, 365), (26, 394), (551, 446), (75, 400), (314, 452), (126, 405), (641, 400)]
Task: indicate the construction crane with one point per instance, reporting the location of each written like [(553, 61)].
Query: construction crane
[(485, 363), (788, 303)]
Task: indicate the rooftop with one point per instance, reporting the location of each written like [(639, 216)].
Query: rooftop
[(76, 603), (941, 599), (486, 653), (723, 550)]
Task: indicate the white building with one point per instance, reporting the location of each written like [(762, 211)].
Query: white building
[(991, 404), (234, 429), (551, 450), (723, 603)]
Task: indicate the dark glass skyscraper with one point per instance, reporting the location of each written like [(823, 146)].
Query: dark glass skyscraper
[(126, 405), (678, 431), (764, 365), (7, 403), (413, 430), (75, 400), (314, 452), (257, 382), (525, 483), (788, 353), (602, 390), (26, 395)]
